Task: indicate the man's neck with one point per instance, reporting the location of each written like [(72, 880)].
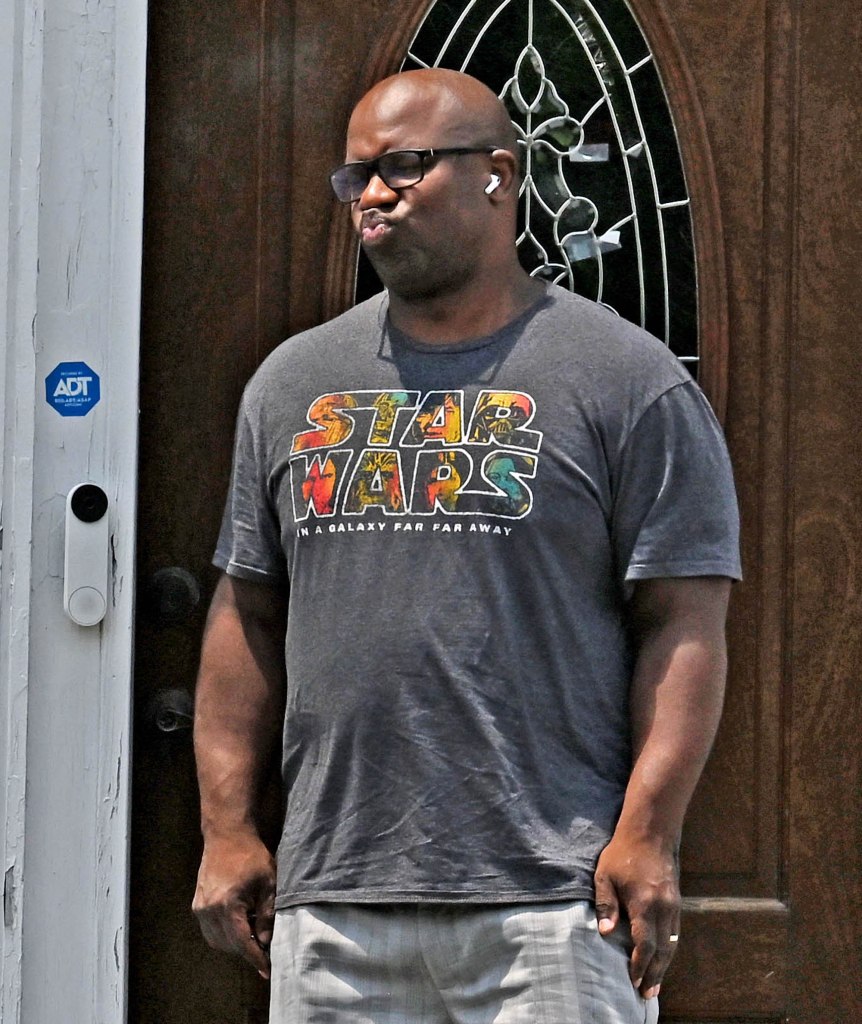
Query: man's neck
[(474, 311)]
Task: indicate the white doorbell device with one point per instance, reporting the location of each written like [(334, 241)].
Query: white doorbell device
[(85, 576), (492, 184)]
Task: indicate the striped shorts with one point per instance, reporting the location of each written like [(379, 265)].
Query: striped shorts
[(541, 963)]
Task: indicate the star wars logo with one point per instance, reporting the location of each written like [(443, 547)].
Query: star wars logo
[(416, 454)]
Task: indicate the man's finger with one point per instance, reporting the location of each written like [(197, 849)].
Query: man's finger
[(655, 973), (655, 954), (644, 948), (262, 917), (261, 925), (607, 905), (245, 942), (212, 930), (256, 956)]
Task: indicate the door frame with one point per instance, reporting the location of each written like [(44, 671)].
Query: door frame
[(72, 92)]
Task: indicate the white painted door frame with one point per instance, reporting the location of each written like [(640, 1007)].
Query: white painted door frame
[(72, 95)]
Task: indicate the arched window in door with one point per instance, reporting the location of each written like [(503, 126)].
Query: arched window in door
[(604, 206)]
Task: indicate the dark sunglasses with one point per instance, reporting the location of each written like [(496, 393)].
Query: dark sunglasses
[(399, 169)]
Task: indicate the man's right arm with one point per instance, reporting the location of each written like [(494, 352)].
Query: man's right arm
[(239, 708)]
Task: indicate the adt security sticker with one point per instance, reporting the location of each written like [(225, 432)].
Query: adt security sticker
[(72, 388)]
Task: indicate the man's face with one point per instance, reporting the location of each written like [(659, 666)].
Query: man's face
[(426, 238)]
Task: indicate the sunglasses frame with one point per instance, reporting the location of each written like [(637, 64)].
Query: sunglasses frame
[(372, 167)]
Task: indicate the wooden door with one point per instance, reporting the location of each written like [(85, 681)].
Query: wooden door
[(247, 107)]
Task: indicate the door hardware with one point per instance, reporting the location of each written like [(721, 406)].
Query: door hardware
[(171, 710)]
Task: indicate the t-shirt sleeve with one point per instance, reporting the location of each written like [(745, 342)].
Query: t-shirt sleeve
[(675, 511), (249, 544)]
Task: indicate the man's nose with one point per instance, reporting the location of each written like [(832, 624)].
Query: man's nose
[(377, 193)]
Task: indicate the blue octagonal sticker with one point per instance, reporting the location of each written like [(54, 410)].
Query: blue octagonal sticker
[(72, 388)]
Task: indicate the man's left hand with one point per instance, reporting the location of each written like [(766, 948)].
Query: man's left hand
[(639, 878)]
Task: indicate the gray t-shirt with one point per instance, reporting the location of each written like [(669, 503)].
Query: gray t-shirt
[(459, 528)]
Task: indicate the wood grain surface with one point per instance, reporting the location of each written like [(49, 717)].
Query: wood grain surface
[(248, 104)]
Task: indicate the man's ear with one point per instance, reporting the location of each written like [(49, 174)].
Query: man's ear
[(504, 175)]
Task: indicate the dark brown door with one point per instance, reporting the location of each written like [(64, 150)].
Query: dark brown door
[(247, 106)]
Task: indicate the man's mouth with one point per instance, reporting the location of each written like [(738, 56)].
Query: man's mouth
[(373, 227)]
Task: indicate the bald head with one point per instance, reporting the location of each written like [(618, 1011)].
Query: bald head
[(460, 106)]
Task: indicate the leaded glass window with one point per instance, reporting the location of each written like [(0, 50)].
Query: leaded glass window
[(604, 205)]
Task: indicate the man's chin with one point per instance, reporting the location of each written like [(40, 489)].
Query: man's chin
[(410, 279), (395, 270)]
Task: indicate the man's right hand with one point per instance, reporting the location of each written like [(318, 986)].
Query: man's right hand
[(234, 899)]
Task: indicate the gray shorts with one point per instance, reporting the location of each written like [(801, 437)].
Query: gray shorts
[(540, 963)]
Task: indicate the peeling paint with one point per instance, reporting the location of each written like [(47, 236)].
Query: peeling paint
[(114, 566), (9, 897)]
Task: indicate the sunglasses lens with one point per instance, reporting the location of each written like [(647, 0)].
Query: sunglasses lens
[(349, 181), (400, 169)]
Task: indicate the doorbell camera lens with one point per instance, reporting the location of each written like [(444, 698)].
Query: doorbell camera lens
[(89, 503)]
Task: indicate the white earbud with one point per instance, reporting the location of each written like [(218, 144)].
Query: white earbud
[(492, 184)]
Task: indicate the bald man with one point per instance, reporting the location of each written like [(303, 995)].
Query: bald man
[(476, 560)]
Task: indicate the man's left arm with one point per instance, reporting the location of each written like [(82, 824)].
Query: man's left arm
[(675, 705)]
